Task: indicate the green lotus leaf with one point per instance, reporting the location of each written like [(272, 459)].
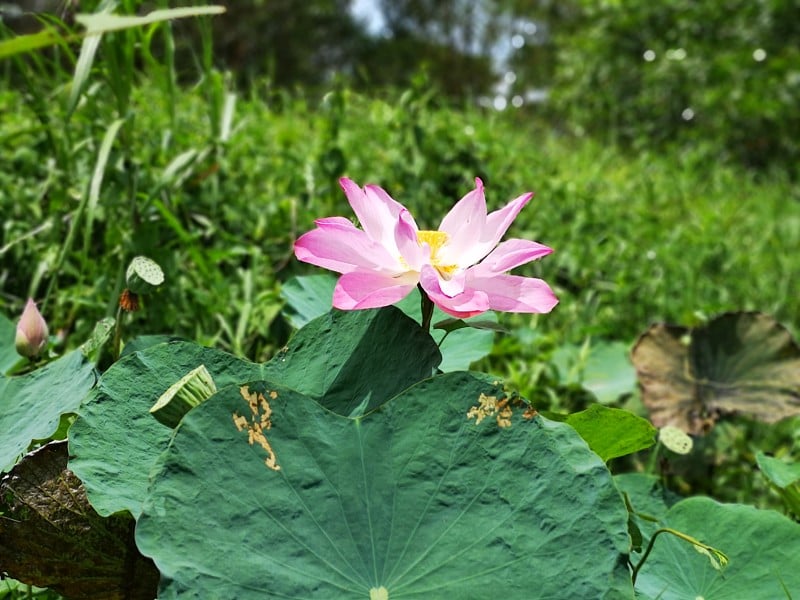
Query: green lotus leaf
[(31, 405), (115, 440), (778, 472), (349, 360), (309, 296), (784, 477), (603, 368), (744, 363), (8, 353), (762, 546), (444, 491)]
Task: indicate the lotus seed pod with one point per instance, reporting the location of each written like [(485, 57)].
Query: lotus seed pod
[(675, 439), (189, 391), (32, 332), (143, 275)]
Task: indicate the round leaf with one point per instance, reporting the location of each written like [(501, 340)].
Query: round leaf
[(50, 536), (762, 546), (444, 491), (743, 363)]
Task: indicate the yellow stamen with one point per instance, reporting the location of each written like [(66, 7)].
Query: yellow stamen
[(435, 240)]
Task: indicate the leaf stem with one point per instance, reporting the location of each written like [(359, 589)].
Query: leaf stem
[(719, 556)]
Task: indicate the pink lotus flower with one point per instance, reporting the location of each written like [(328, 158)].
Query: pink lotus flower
[(32, 332), (461, 267)]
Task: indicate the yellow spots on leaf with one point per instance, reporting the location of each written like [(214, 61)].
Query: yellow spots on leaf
[(501, 409), (260, 421), (380, 593)]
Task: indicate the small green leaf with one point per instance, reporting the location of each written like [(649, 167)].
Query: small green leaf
[(450, 325), (785, 477), (603, 368), (612, 432), (779, 473), (307, 298)]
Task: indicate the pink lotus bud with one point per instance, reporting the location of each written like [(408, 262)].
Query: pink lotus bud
[(31, 331)]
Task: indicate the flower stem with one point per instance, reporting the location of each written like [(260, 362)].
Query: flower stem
[(426, 306), (117, 336)]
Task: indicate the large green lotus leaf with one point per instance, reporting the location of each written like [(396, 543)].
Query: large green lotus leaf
[(445, 491), (762, 545), (348, 358), (612, 432), (115, 440), (744, 363), (308, 297), (335, 359), (8, 352), (31, 405)]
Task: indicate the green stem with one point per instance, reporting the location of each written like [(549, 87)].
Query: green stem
[(678, 534), (652, 462), (117, 336), (426, 306)]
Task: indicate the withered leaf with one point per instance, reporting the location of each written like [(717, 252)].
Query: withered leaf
[(51, 537), (738, 363)]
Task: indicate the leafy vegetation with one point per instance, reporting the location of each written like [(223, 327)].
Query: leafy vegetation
[(111, 156)]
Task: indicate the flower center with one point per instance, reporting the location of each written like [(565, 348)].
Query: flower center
[(435, 240)]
